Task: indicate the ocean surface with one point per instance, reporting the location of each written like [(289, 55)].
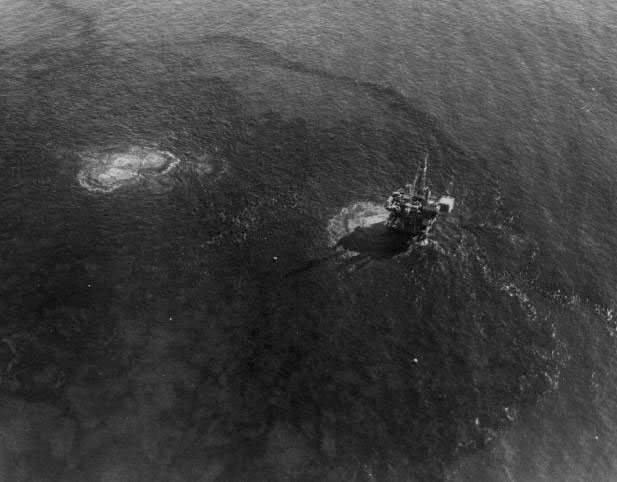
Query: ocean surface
[(175, 177)]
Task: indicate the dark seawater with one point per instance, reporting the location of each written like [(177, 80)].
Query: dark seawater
[(198, 325)]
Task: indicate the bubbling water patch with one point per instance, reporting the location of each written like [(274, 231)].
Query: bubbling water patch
[(357, 215), (108, 170)]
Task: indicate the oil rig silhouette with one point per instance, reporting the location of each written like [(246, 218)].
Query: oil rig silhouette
[(414, 209)]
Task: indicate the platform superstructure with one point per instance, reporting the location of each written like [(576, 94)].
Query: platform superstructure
[(414, 209)]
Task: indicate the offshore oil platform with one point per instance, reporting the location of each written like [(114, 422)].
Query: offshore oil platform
[(414, 209)]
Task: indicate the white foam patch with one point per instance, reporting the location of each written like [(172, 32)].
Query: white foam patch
[(515, 291), (357, 215), (106, 171)]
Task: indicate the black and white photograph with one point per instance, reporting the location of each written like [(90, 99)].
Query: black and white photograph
[(301, 240)]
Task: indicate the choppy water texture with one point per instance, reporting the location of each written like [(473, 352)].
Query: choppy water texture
[(196, 279)]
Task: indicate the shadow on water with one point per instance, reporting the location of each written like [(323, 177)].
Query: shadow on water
[(366, 243), (375, 241)]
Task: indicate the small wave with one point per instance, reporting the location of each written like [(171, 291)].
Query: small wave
[(107, 170)]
